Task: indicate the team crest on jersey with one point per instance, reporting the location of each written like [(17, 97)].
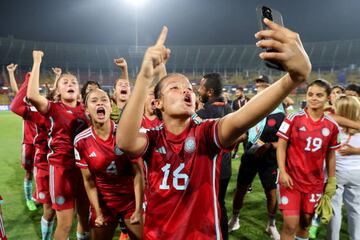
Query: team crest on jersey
[(42, 195), (284, 200), (60, 200), (325, 132), (190, 145)]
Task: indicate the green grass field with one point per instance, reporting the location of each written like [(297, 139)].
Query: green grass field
[(22, 224)]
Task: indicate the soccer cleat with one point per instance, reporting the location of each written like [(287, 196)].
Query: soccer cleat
[(31, 205), (234, 224), (313, 232), (273, 232), (124, 236)]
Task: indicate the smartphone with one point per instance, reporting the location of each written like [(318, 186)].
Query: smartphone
[(275, 16)]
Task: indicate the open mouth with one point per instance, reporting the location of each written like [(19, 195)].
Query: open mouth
[(187, 99), (70, 91), (100, 112), (123, 92), (153, 104)]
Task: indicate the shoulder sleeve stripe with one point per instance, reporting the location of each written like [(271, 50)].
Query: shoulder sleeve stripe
[(291, 116), (279, 134), (84, 134), (215, 135), (81, 164)]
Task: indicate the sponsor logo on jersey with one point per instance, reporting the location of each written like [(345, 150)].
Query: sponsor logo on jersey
[(303, 129), (33, 109), (161, 150), (190, 145), (284, 127), (93, 154), (325, 132), (284, 200)]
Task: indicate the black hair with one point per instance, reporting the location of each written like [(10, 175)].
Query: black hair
[(157, 90), (321, 83), (353, 87), (214, 81), (83, 89), (339, 87), (240, 88), (86, 97)]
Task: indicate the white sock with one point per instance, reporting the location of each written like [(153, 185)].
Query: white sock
[(82, 236), (46, 228), (28, 189), (300, 238)]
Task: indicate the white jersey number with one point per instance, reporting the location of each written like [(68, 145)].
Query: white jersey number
[(313, 144), (176, 176), (111, 169), (315, 197)]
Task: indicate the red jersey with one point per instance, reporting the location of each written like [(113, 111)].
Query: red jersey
[(65, 122), (33, 120), (182, 182), (308, 144), (147, 123), (114, 177), (19, 106)]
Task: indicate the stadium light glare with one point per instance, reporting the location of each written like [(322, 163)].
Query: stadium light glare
[(135, 3)]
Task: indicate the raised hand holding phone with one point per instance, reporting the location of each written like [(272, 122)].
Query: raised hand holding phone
[(264, 12), (290, 53)]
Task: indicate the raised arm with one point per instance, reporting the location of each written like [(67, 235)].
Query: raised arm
[(57, 71), (11, 68), (18, 105), (345, 122), (291, 54), (92, 194), (128, 137), (33, 94), (121, 62)]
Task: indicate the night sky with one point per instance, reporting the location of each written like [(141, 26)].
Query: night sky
[(190, 22)]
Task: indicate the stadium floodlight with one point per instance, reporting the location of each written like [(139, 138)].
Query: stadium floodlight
[(135, 3)]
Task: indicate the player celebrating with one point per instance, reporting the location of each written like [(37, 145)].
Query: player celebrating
[(41, 166), (108, 176), (66, 118), (28, 148), (122, 90), (306, 138), (183, 155)]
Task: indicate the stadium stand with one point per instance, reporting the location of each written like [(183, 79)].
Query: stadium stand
[(335, 61)]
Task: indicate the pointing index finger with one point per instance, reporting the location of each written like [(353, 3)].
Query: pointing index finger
[(162, 37)]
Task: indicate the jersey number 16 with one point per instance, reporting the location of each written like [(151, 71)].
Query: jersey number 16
[(176, 177)]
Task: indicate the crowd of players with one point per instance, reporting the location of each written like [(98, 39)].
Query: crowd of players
[(160, 166)]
